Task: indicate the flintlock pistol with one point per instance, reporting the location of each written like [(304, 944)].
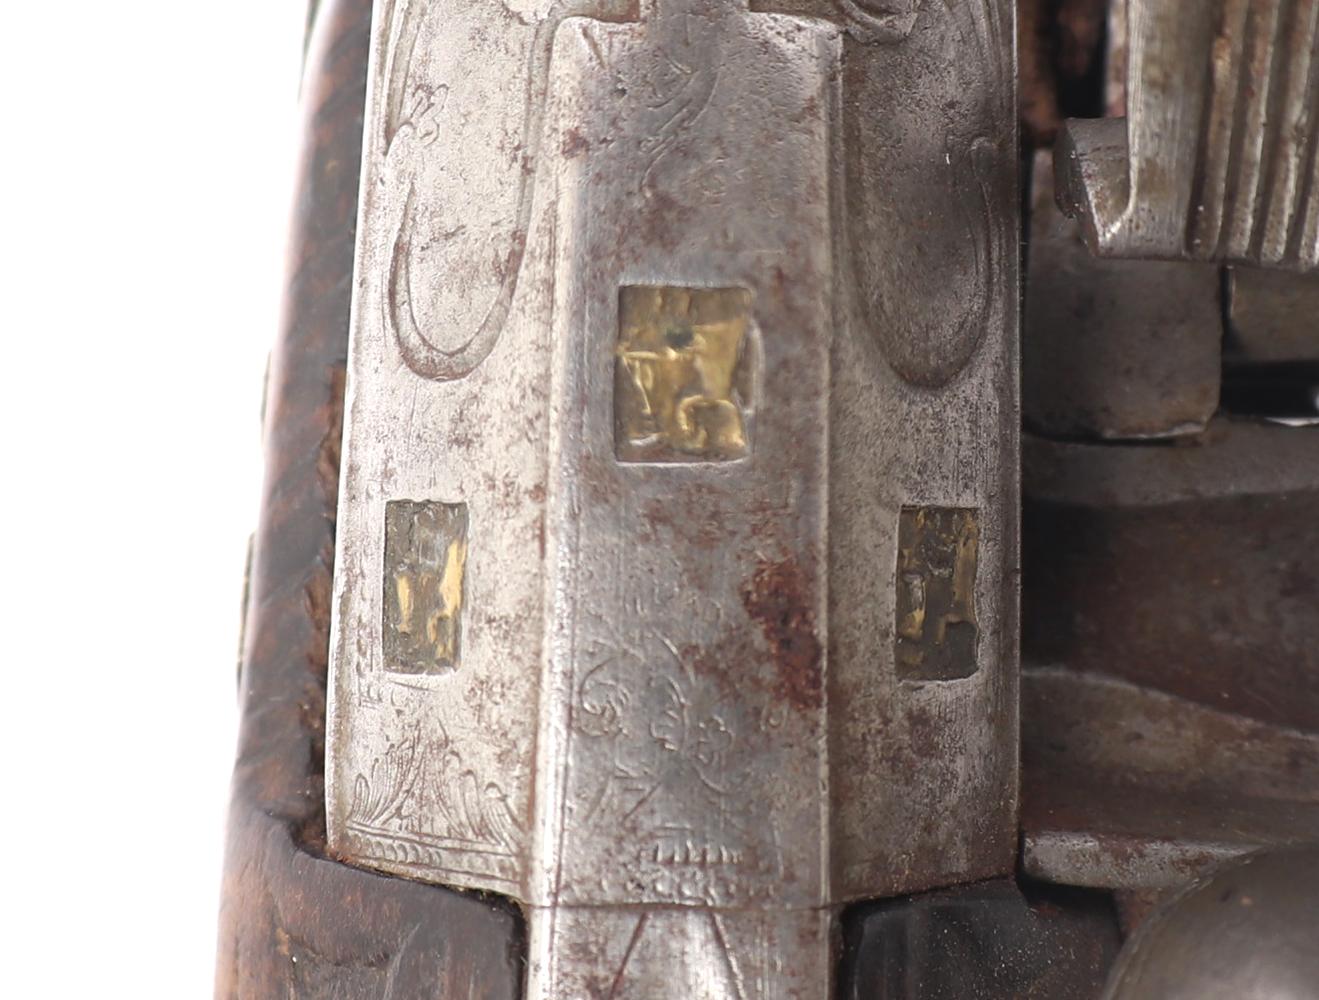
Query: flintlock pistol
[(781, 499)]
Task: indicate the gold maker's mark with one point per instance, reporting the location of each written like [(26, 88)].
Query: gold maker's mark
[(683, 381), (935, 629), (425, 563)]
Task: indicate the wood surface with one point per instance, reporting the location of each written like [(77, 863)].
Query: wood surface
[(294, 923)]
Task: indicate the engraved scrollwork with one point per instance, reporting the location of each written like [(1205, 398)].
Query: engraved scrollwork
[(603, 699), (433, 350), (424, 352), (884, 21), (404, 28), (929, 292), (479, 294), (682, 72), (674, 778), (419, 804), (673, 724)]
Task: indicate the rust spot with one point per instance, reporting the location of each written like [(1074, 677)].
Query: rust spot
[(777, 597), (574, 144)]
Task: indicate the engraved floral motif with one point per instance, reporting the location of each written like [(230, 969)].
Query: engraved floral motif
[(420, 805), (672, 787)]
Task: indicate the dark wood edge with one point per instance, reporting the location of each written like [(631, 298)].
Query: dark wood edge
[(293, 922)]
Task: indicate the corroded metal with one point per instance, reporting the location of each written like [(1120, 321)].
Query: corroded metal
[(1216, 157), (1136, 557), (1126, 787), (1170, 708), (652, 294)]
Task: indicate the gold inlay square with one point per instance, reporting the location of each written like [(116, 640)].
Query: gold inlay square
[(682, 385), (936, 632), (425, 565)]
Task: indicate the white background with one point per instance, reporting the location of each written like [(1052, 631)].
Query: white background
[(146, 172)]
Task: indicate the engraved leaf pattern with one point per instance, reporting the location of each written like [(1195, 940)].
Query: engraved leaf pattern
[(415, 779)]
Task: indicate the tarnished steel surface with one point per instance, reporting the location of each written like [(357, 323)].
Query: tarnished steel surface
[(649, 303), (1114, 349), (295, 924), (991, 941), (1249, 931), (1273, 316), (1187, 568), (1216, 157), (1125, 787)]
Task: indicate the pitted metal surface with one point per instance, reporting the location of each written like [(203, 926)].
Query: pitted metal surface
[(1170, 702), (655, 351), (1127, 787)]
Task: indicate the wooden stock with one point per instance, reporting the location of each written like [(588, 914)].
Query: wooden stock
[(295, 923)]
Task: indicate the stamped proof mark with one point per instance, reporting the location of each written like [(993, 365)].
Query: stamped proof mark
[(682, 386), (935, 632), (425, 562)]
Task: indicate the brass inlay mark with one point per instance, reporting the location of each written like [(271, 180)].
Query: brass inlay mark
[(935, 628), (682, 384), (425, 561)]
